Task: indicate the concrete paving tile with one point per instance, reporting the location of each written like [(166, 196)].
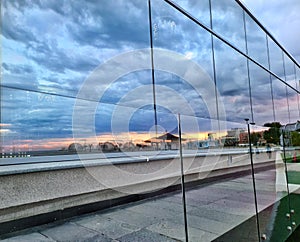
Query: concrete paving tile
[(145, 235), (206, 196), (221, 216), (176, 231), (174, 207), (262, 199), (36, 237), (173, 199), (232, 207), (226, 203), (132, 218), (235, 186), (208, 225), (154, 212), (72, 232), (110, 227)]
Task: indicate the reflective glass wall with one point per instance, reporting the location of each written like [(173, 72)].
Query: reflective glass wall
[(108, 81)]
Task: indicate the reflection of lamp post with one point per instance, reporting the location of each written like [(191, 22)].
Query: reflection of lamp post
[(253, 177), (283, 133), (182, 181)]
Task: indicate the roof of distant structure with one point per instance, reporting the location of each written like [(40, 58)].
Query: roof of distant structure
[(292, 126), (168, 137)]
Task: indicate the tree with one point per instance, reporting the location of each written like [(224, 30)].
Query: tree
[(255, 138), (295, 138), (272, 135)]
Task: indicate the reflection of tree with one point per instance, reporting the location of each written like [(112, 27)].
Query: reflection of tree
[(255, 138), (272, 135), (295, 138)]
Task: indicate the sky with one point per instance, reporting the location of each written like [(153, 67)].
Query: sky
[(81, 70)]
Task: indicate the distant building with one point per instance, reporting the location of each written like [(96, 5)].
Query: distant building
[(108, 147), (288, 129), (234, 137), (243, 138), (75, 147), (235, 132), (291, 127), (166, 141)]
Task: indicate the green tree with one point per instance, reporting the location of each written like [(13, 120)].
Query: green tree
[(272, 135), (255, 138), (295, 138)]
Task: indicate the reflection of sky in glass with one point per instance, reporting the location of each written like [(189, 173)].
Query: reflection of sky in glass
[(261, 95), (276, 61), (232, 82), (256, 42), (280, 102), (227, 19), (51, 47)]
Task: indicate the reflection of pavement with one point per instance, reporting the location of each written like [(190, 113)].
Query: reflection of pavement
[(212, 210), (281, 182)]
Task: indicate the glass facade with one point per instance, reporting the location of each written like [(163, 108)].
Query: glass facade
[(106, 82)]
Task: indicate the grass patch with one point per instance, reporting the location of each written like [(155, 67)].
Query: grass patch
[(294, 177), (289, 158), (280, 232)]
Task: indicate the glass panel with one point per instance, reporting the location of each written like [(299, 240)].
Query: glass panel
[(227, 20), (261, 95), (181, 35), (297, 80), (52, 49), (256, 42), (289, 71), (276, 62), (222, 208), (34, 121), (198, 9), (188, 46), (232, 83), (293, 105), (48, 63), (292, 155), (270, 181), (280, 101)]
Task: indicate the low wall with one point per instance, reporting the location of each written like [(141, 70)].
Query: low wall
[(47, 195)]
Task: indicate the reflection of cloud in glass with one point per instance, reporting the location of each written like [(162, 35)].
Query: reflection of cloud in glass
[(53, 46)]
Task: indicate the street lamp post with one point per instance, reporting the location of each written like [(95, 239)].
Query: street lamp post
[(253, 177)]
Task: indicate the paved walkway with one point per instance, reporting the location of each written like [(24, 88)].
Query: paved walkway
[(212, 210)]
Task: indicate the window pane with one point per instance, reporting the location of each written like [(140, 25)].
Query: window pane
[(198, 9), (232, 83), (276, 62), (261, 95), (184, 73), (256, 42), (280, 102), (227, 20)]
